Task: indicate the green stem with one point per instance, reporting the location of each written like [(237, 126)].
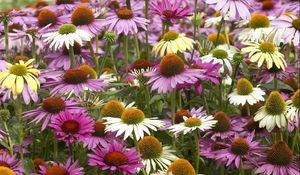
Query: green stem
[(20, 122), (173, 105), (6, 41), (242, 172), (128, 4), (22, 48), (126, 53), (195, 25), (275, 82), (222, 169), (72, 57), (103, 61), (113, 61), (8, 139), (148, 97), (136, 42), (197, 151), (95, 59), (147, 35), (232, 82), (220, 94), (97, 43), (219, 31), (295, 138), (33, 48)]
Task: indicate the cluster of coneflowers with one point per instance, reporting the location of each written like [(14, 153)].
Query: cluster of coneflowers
[(160, 87)]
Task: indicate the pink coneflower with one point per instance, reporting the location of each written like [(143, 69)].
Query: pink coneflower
[(268, 75), (60, 169), (22, 17), (85, 19), (238, 150), (125, 21), (290, 23), (51, 19), (72, 127), (51, 107), (99, 136), (225, 128), (170, 10), (269, 7), (235, 8), (279, 160), (65, 6), (27, 95), (114, 158), (12, 163), (171, 73), (75, 81)]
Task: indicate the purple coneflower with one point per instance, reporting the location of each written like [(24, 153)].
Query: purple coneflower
[(72, 127), (75, 81), (60, 169), (268, 75), (114, 158), (51, 107), (12, 163), (279, 160), (125, 21), (235, 8), (50, 19), (169, 10), (171, 73)]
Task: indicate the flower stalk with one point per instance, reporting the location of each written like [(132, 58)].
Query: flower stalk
[(72, 57)]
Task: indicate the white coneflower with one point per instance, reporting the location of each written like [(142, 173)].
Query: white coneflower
[(245, 93), (273, 113), (132, 121), (293, 106), (155, 157), (66, 35), (173, 42)]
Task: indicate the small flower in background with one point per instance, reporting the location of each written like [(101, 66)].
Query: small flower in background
[(180, 167), (113, 157), (173, 42), (66, 35), (169, 10), (112, 108), (245, 93), (155, 157), (132, 122), (278, 160), (61, 169), (265, 51), (273, 113), (72, 127), (12, 163)]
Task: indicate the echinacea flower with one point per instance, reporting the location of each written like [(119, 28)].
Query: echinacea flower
[(273, 113), (125, 21), (173, 42), (155, 157), (84, 18), (171, 73), (6, 171), (112, 108), (180, 167), (114, 158), (221, 55), (51, 107), (245, 93), (194, 123), (293, 107), (72, 127), (60, 169), (19, 75), (66, 35), (235, 9), (238, 150), (169, 10), (265, 51), (267, 75), (269, 7), (279, 160), (132, 121), (75, 81), (291, 25), (50, 20), (11, 162)]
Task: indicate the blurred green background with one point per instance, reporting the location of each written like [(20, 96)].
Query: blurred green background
[(7, 4)]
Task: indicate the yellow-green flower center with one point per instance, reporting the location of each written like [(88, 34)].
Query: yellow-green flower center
[(181, 167), (18, 69), (280, 154), (275, 104), (112, 108), (214, 38), (244, 87), (267, 47), (132, 116), (150, 147), (89, 70), (296, 23), (259, 21), (171, 35), (6, 171), (192, 122), (220, 54), (296, 99), (240, 146), (66, 29)]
